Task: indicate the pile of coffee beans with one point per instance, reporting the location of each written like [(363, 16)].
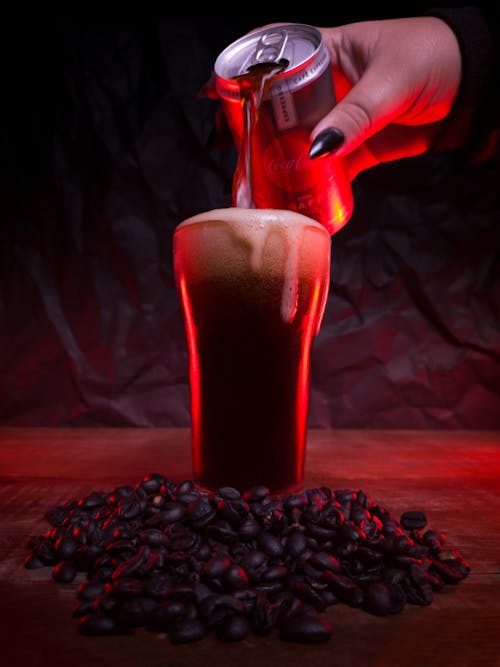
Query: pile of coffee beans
[(173, 559)]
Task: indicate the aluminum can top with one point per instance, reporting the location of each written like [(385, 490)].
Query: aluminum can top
[(299, 44)]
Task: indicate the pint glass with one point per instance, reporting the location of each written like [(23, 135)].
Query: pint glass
[(253, 285)]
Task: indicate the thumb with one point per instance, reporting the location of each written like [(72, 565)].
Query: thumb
[(371, 104)]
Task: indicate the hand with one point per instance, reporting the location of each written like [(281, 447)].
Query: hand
[(396, 80)]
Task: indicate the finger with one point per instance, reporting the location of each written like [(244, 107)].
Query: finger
[(377, 99)]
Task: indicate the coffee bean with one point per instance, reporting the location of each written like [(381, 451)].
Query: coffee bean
[(228, 493), (265, 614), (165, 616), (306, 629), (413, 520), (235, 578), (64, 572), (256, 493), (216, 566), (233, 628), (187, 631), (32, 562), (270, 544), (98, 624), (65, 548), (90, 590)]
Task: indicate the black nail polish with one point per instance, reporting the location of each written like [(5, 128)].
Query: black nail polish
[(326, 142)]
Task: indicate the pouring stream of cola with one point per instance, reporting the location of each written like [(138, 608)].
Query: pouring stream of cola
[(266, 65)]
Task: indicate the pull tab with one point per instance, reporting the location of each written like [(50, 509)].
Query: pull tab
[(270, 47)]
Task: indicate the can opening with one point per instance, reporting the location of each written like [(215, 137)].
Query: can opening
[(282, 63), (270, 47)]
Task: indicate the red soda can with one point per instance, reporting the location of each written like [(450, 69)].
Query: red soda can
[(282, 174)]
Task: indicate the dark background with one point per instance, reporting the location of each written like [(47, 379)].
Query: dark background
[(103, 151)]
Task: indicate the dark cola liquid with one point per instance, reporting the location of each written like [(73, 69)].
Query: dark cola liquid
[(250, 391), (253, 296)]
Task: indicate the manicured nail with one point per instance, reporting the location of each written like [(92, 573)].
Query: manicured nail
[(326, 142)]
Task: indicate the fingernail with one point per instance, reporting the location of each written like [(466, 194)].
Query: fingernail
[(326, 142)]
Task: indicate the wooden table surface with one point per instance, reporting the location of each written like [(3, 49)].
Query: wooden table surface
[(454, 476)]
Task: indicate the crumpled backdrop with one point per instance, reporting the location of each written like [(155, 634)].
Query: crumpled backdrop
[(104, 151)]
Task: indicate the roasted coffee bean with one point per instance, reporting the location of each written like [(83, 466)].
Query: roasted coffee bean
[(187, 631), (104, 573), (254, 559), (448, 572), (165, 616), (262, 508), (417, 593), (433, 540), (45, 551), (228, 493), (248, 529), (328, 597), (65, 548), (221, 531), (84, 608), (287, 604), (270, 588), (413, 520), (306, 593), (32, 562), (296, 542), (256, 494), (359, 515), (270, 544), (324, 561), (217, 565), (106, 603), (344, 588), (185, 486), (306, 629), (265, 614), (275, 573), (128, 587), (133, 565), (64, 572), (131, 613), (100, 624), (230, 512), (211, 603), (153, 537), (86, 556), (125, 547), (233, 628), (90, 590), (93, 500), (247, 597), (382, 599), (172, 512), (158, 584), (131, 508), (152, 484), (185, 594), (57, 515), (200, 513), (235, 578)]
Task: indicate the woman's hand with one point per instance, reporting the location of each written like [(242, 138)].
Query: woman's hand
[(396, 80)]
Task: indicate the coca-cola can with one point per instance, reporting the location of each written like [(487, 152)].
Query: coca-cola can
[(282, 174)]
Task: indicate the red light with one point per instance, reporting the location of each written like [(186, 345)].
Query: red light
[(194, 366)]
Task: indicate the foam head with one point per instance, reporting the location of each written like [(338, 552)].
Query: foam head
[(268, 242)]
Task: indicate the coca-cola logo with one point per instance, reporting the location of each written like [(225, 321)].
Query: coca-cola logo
[(288, 165), (286, 162)]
